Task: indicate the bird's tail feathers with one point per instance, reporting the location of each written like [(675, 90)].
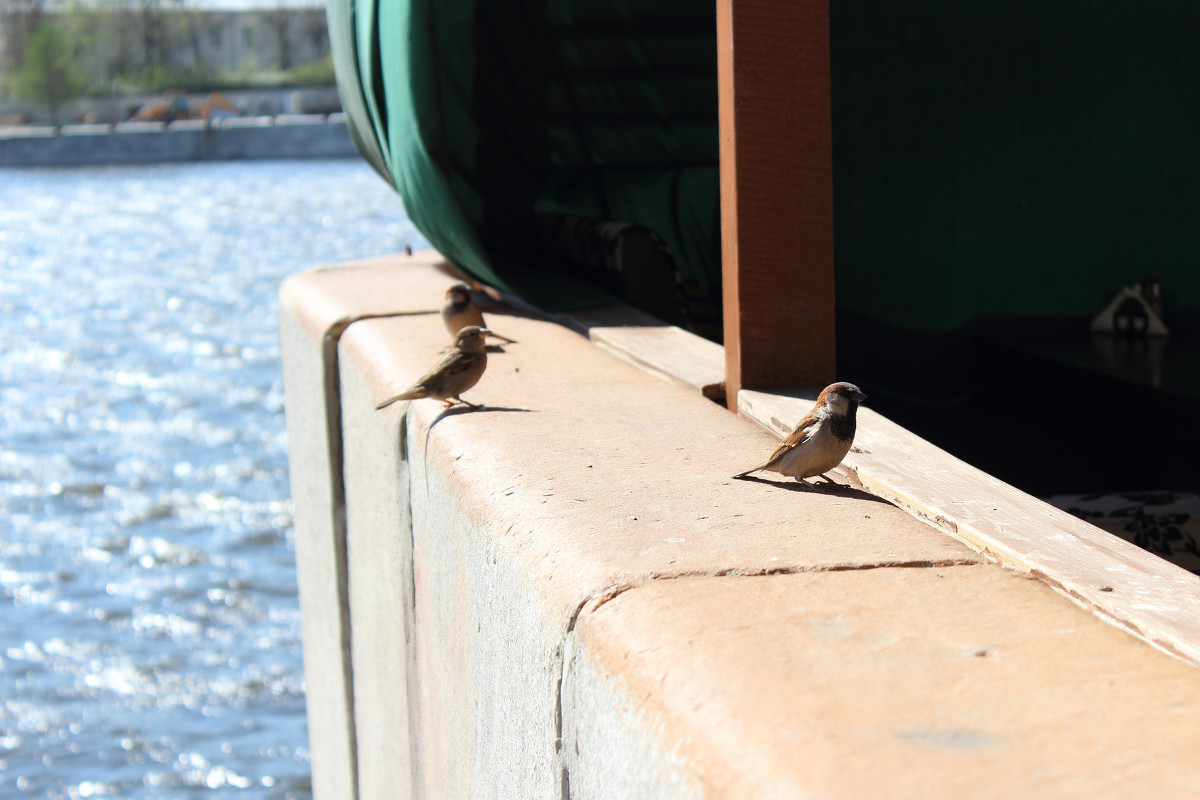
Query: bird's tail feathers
[(754, 469), (414, 393)]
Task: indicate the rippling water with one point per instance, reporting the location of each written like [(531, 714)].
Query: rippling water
[(149, 629)]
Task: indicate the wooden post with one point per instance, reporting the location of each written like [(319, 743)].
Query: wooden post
[(776, 194)]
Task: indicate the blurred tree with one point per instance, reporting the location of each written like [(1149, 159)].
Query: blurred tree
[(49, 73), (129, 47), (18, 18), (152, 22)]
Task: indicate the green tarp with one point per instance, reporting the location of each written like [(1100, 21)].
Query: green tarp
[(990, 158), (494, 119)]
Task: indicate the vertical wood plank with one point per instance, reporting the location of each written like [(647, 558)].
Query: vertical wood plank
[(776, 194)]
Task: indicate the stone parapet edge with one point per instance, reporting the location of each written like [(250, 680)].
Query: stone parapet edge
[(1120, 582), (774, 413)]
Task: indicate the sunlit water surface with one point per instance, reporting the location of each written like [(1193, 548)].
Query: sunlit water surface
[(149, 629)]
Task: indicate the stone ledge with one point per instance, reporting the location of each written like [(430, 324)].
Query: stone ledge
[(582, 477), (597, 459), (508, 575), (180, 141), (327, 299), (956, 682), (1130, 587), (314, 310)]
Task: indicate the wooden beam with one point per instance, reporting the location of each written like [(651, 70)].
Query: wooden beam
[(776, 194), (663, 350)]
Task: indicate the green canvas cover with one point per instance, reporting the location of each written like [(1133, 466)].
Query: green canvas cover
[(991, 159), (1013, 159), (496, 122)]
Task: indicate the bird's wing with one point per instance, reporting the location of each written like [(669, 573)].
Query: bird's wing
[(804, 429), (454, 363)]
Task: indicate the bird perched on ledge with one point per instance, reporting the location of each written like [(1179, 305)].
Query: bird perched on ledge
[(459, 369), (821, 440), (460, 310)]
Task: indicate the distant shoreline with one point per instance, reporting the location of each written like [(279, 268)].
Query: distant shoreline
[(299, 136)]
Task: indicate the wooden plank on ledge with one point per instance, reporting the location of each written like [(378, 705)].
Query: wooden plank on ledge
[(671, 353), (1130, 587)]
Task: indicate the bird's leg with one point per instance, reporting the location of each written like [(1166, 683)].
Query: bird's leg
[(469, 405), (827, 485), (447, 403)]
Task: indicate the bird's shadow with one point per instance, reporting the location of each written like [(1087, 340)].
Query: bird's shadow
[(831, 489), (457, 409)]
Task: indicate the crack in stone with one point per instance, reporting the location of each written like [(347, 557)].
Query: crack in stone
[(599, 598), (333, 437), (330, 362), (412, 688)]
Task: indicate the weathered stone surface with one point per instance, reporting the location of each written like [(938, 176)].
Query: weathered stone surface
[(954, 682), (580, 477), (1138, 590), (329, 298), (564, 594), (379, 591), (610, 476), (315, 308), (315, 474), (615, 745)]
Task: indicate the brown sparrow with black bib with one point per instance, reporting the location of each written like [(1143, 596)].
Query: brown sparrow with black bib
[(821, 440)]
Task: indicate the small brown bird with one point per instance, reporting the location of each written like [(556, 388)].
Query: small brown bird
[(459, 369), (460, 310), (821, 440)]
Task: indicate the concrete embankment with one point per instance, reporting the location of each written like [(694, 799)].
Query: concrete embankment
[(283, 136), (563, 594)]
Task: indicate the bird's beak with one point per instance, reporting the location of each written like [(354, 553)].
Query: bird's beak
[(485, 332), (858, 397)]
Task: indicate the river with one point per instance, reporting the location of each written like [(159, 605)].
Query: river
[(149, 625)]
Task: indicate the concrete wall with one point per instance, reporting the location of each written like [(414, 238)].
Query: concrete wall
[(564, 595), (267, 102), (296, 136)]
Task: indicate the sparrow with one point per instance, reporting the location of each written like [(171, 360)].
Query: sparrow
[(458, 370), (821, 440), (460, 310)]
